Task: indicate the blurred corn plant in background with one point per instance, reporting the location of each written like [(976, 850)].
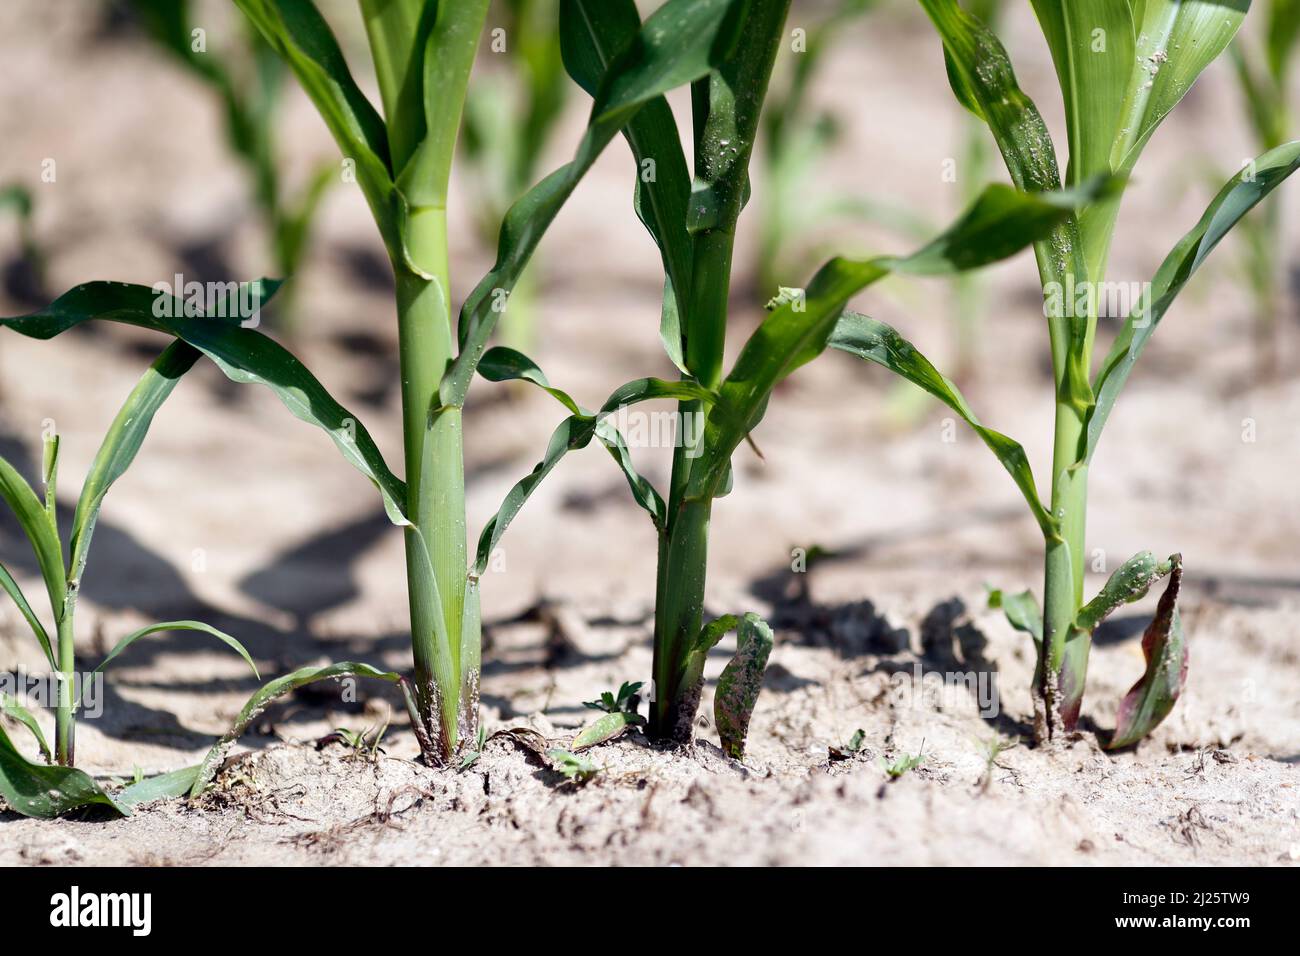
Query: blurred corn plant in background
[(248, 79), (1263, 77), (1122, 67), (511, 115)]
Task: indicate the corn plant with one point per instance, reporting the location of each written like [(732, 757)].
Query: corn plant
[(250, 106), (510, 118), (1123, 66), (33, 789), (693, 222), (422, 52), (1263, 81)]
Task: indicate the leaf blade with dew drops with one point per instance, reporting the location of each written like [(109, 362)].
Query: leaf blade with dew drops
[(244, 355), (679, 42), (270, 692), (44, 791)]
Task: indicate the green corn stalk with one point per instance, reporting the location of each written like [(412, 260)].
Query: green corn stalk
[(250, 107), (693, 221), (1263, 79), (1122, 68)]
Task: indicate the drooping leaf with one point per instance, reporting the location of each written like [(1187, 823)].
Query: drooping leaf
[(606, 728), (680, 42), (244, 355), (1152, 698), (10, 707), (44, 791), (1237, 198), (740, 683), (1022, 612), (877, 342), (42, 636), (270, 692), (199, 626)]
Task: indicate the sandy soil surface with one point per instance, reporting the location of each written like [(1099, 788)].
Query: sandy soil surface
[(237, 515)]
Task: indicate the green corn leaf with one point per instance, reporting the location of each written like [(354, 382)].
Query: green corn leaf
[(260, 700), (35, 521), (593, 35), (1152, 698), (1237, 198), (166, 786), (678, 44), (1130, 582), (1093, 47), (877, 342), (501, 364), (740, 683), (11, 708), (122, 443), (576, 432), (606, 728), (1000, 222), (199, 626), (244, 355), (14, 591), (39, 790), (1022, 611)]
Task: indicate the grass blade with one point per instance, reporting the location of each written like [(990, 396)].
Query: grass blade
[(166, 786), (12, 709), (14, 591), (606, 728), (31, 514), (199, 626), (260, 700)]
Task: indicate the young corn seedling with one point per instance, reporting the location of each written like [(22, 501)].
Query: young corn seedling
[(1263, 80), (694, 224), (422, 52), (1122, 68), (250, 106), (47, 790)]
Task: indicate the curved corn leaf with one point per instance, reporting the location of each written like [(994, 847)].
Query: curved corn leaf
[(1022, 611), (38, 790), (502, 364), (593, 35), (165, 786), (11, 708), (678, 44), (877, 342), (1093, 47), (14, 591), (243, 354), (606, 728), (740, 683), (576, 432), (260, 700), (1237, 198), (122, 443), (35, 521), (999, 223), (222, 636), (1152, 698), (1130, 582)]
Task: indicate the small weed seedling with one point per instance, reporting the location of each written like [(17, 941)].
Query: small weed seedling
[(902, 764), (1116, 93), (577, 770), (851, 749)]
